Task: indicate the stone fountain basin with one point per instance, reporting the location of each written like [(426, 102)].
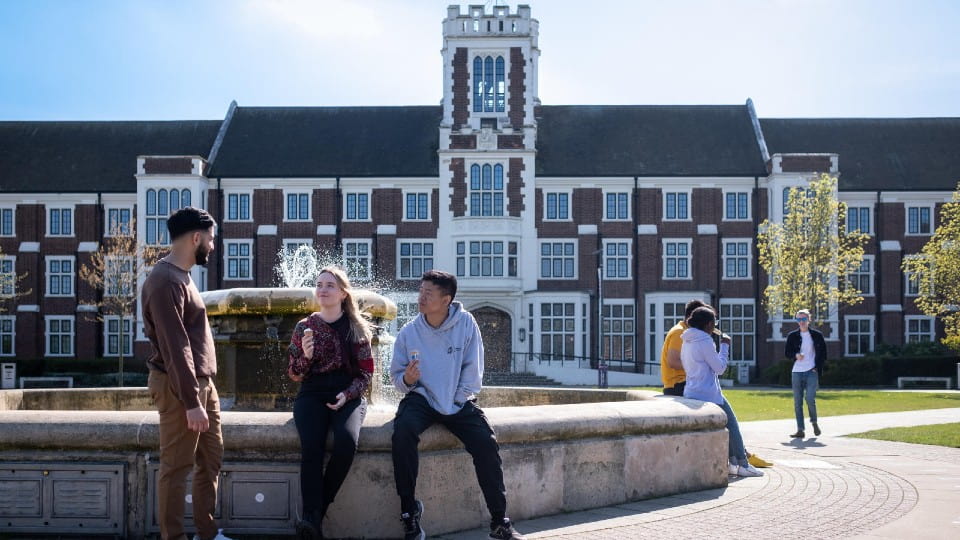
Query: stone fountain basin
[(609, 447)]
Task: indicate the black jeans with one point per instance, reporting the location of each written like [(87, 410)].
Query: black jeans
[(414, 416), (675, 390), (314, 419)]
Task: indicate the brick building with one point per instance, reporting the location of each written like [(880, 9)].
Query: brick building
[(578, 232)]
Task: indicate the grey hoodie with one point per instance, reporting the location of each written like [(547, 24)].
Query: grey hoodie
[(451, 359)]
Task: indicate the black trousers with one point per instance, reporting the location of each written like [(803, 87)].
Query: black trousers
[(675, 390), (414, 416), (314, 421)]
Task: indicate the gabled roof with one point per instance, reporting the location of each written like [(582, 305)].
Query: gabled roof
[(330, 141), (876, 153), (649, 140), (91, 156)]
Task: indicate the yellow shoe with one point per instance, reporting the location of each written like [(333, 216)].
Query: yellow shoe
[(758, 462)]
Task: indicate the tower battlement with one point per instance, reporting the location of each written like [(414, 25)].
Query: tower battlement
[(499, 21)]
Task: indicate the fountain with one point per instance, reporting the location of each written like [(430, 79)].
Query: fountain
[(84, 461)]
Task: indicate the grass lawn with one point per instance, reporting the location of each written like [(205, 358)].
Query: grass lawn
[(778, 404), (938, 434)]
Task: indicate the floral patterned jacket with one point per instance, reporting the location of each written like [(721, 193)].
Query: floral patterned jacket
[(328, 355)]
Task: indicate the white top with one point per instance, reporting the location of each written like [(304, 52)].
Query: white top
[(809, 354), (702, 364)]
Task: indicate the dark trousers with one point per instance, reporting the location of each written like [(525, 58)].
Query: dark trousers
[(314, 420), (414, 416), (675, 390)]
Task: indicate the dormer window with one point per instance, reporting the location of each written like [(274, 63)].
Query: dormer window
[(489, 86)]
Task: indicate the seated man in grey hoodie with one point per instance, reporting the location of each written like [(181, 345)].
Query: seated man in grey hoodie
[(438, 364)]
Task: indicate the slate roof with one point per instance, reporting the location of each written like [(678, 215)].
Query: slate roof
[(330, 141), (876, 153), (648, 140), (91, 156)]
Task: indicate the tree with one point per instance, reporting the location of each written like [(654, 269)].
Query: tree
[(809, 256), (115, 270), (10, 281), (936, 272)]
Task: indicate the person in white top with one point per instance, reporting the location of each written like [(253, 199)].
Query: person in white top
[(808, 351)]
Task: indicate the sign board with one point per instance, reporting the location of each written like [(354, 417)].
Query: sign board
[(9, 376)]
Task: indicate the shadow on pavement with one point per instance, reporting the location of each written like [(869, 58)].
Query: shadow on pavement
[(804, 443)]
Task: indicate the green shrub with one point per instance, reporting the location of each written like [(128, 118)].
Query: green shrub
[(854, 371)]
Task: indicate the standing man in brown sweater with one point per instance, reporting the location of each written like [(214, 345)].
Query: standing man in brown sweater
[(182, 367)]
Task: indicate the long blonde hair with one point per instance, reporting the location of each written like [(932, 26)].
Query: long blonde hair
[(359, 326)]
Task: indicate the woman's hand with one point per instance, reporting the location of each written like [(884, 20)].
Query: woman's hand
[(341, 400), (307, 344)]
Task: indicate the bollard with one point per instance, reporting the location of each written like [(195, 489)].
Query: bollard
[(602, 375)]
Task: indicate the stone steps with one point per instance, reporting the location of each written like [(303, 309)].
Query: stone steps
[(517, 379)]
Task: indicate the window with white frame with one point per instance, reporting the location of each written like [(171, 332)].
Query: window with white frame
[(292, 245), (919, 329), (60, 222), (736, 206), (415, 258), (558, 259), (297, 206), (859, 334), (862, 278), (557, 207), (160, 204), (486, 258), (558, 334), (616, 259), (616, 206), (911, 286), (489, 84), (59, 331), (676, 259), (486, 190), (618, 332), (7, 221), (60, 272), (736, 258), (417, 207), (357, 259), (238, 207), (238, 259), (357, 207), (8, 276), (8, 335), (858, 219), (117, 274), (676, 206), (919, 219), (117, 334), (737, 321), (118, 221)]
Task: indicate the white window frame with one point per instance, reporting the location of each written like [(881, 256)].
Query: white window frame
[(906, 328), (109, 261), (343, 254), (689, 257), (871, 276), (629, 257), (726, 192), (286, 206), (575, 257), (871, 333), (106, 219), (227, 257), (128, 353), (617, 192), (73, 275), (860, 206), (493, 191), (727, 328), (607, 334), (13, 335), (569, 194), (73, 334), (238, 193), (689, 194), (507, 257), (418, 192), (906, 219), (539, 331), (357, 193), (285, 244), (724, 257), (73, 221), (907, 278), (13, 220), (423, 241), (8, 278)]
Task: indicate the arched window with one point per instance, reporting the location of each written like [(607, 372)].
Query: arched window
[(185, 198), (486, 190), (174, 200), (498, 190), (501, 88), (477, 85), (151, 202), (162, 208), (489, 84)]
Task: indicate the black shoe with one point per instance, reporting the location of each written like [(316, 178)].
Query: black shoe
[(816, 429), (310, 527), (798, 435), (411, 524), (504, 531)]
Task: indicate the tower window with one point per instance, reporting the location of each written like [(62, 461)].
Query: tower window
[(486, 190), (489, 84)]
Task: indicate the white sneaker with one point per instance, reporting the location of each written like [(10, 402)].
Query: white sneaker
[(219, 536), (748, 471), (734, 468)]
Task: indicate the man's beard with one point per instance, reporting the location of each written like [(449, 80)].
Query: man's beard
[(202, 255)]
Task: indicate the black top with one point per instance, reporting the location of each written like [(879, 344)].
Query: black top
[(819, 345), (342, 326)]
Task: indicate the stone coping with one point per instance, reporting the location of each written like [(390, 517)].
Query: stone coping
[(275, 431)]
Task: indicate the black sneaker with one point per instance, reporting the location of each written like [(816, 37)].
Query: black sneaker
[(798, 435), (411, 524), (816, 429), (504, 531), (310, 527)]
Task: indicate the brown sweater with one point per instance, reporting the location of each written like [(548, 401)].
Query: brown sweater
[(175, 322)]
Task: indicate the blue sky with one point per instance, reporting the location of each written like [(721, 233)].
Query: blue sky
[(177, 59)]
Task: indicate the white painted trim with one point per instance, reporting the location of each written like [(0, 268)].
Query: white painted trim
[(738, 190), (890, 245), (688, 193), (891, 308), (706, 228), (723, 258), (12, 334), (226, 204), (906, 327), (569, 193), (648, 229), (345, 196), (575, 257), (916, 198), (226, 256), (88, 247), (872, 333), (267, 230), (30, 308), (586, 230), (73, 275), (629, 256), (370, 256), (11, 276), (403, 203), (309, 194), (906, 218), (726, 328), (29, 247), (87, 308), (432, 241), (53, 199), (689, 257), (13, 219), (610, 191), (73, 220), (326, 230), (106, 217), (387, 230), (106, 335), (872, 276), (298, 241), (72, 334)]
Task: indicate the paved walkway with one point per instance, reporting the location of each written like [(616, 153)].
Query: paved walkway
[(822, 487)]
